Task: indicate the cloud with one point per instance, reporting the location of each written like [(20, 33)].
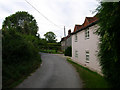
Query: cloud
[(61, 12)]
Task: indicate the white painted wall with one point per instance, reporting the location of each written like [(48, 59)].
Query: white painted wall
[(82, 45)]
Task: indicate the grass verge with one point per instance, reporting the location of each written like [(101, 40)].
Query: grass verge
[(90, 79)]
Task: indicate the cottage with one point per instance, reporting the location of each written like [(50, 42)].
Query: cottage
[(66, 41), (85, 44)]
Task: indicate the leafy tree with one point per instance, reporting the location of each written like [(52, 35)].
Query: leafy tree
[(50, 37), (109, 31), (20, 48), (22, 22)]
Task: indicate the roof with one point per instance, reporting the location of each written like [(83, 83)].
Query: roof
[(64, 38), (77, 27), (89, 21)]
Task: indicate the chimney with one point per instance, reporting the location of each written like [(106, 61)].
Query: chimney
[(69, 31)]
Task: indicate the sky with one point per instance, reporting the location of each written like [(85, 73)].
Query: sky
[(51, 15)]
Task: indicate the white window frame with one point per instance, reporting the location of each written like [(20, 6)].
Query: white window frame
[(76, 37), (87, 55), (76, 53), (87, 34)]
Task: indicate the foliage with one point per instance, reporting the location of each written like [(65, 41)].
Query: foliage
[(68, 51), (51, 51), (20, 54), (51, 48), (32, 40), (54, 46), (50, 37), (109, 54), (22, 22), (90, 79), (42, 43)]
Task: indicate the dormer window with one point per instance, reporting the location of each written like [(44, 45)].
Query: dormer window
[(86, 34)]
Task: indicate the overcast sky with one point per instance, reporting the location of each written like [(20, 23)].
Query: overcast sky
[(59, 13)]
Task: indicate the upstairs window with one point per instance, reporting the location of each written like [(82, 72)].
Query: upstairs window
[(75, 37), (86, 34)]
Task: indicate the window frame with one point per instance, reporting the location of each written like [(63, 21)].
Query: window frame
[(87, 34), (87, 56), (76, 53), (76, 37)]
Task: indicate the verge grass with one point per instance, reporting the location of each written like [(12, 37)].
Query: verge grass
[(90, 79)]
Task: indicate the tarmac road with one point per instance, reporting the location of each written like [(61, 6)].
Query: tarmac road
[(55, 72)]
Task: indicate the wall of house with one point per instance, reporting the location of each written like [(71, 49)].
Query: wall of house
[(69, 42), (66, 43), (63, 45), (82, 45)]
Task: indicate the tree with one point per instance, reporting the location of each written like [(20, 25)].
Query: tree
[(50, 37), (22, 22), (109, 31), (20, 48)]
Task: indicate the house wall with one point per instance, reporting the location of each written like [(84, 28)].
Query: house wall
[(82, 45), (69, 42), (66, 43), (63, 45)]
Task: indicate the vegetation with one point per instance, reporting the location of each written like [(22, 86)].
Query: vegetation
[(109, 54), (90, 79), (68, 51), (49, 44), (51, 51), (50, 37), (20, 50), (54, 48), (22, 22)]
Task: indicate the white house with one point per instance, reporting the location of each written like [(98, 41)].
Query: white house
[(85, 44)]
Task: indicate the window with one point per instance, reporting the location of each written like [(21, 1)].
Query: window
[(75, 37), (76, 53), (87, 56), (87, 34)]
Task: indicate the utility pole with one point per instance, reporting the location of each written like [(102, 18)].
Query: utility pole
[(65, 38), (64, 32)]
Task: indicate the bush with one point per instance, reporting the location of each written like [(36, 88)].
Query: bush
[(19, 55), (16, 49), (68, 51)]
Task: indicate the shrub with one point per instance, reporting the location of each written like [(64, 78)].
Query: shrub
[(16, 49), (19, 55), (68, 51)]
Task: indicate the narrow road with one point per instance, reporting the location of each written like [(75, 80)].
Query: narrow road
[(55, 72)]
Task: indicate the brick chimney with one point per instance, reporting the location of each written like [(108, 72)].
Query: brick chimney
[(69, 31)]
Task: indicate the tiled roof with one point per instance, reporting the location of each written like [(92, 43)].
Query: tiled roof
[(88, 21), (69, 34), (77, 27), (91, 19)]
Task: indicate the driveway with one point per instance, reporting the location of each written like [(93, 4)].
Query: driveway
[(55, 72)]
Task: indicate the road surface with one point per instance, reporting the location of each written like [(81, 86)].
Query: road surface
[(55, 72)]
